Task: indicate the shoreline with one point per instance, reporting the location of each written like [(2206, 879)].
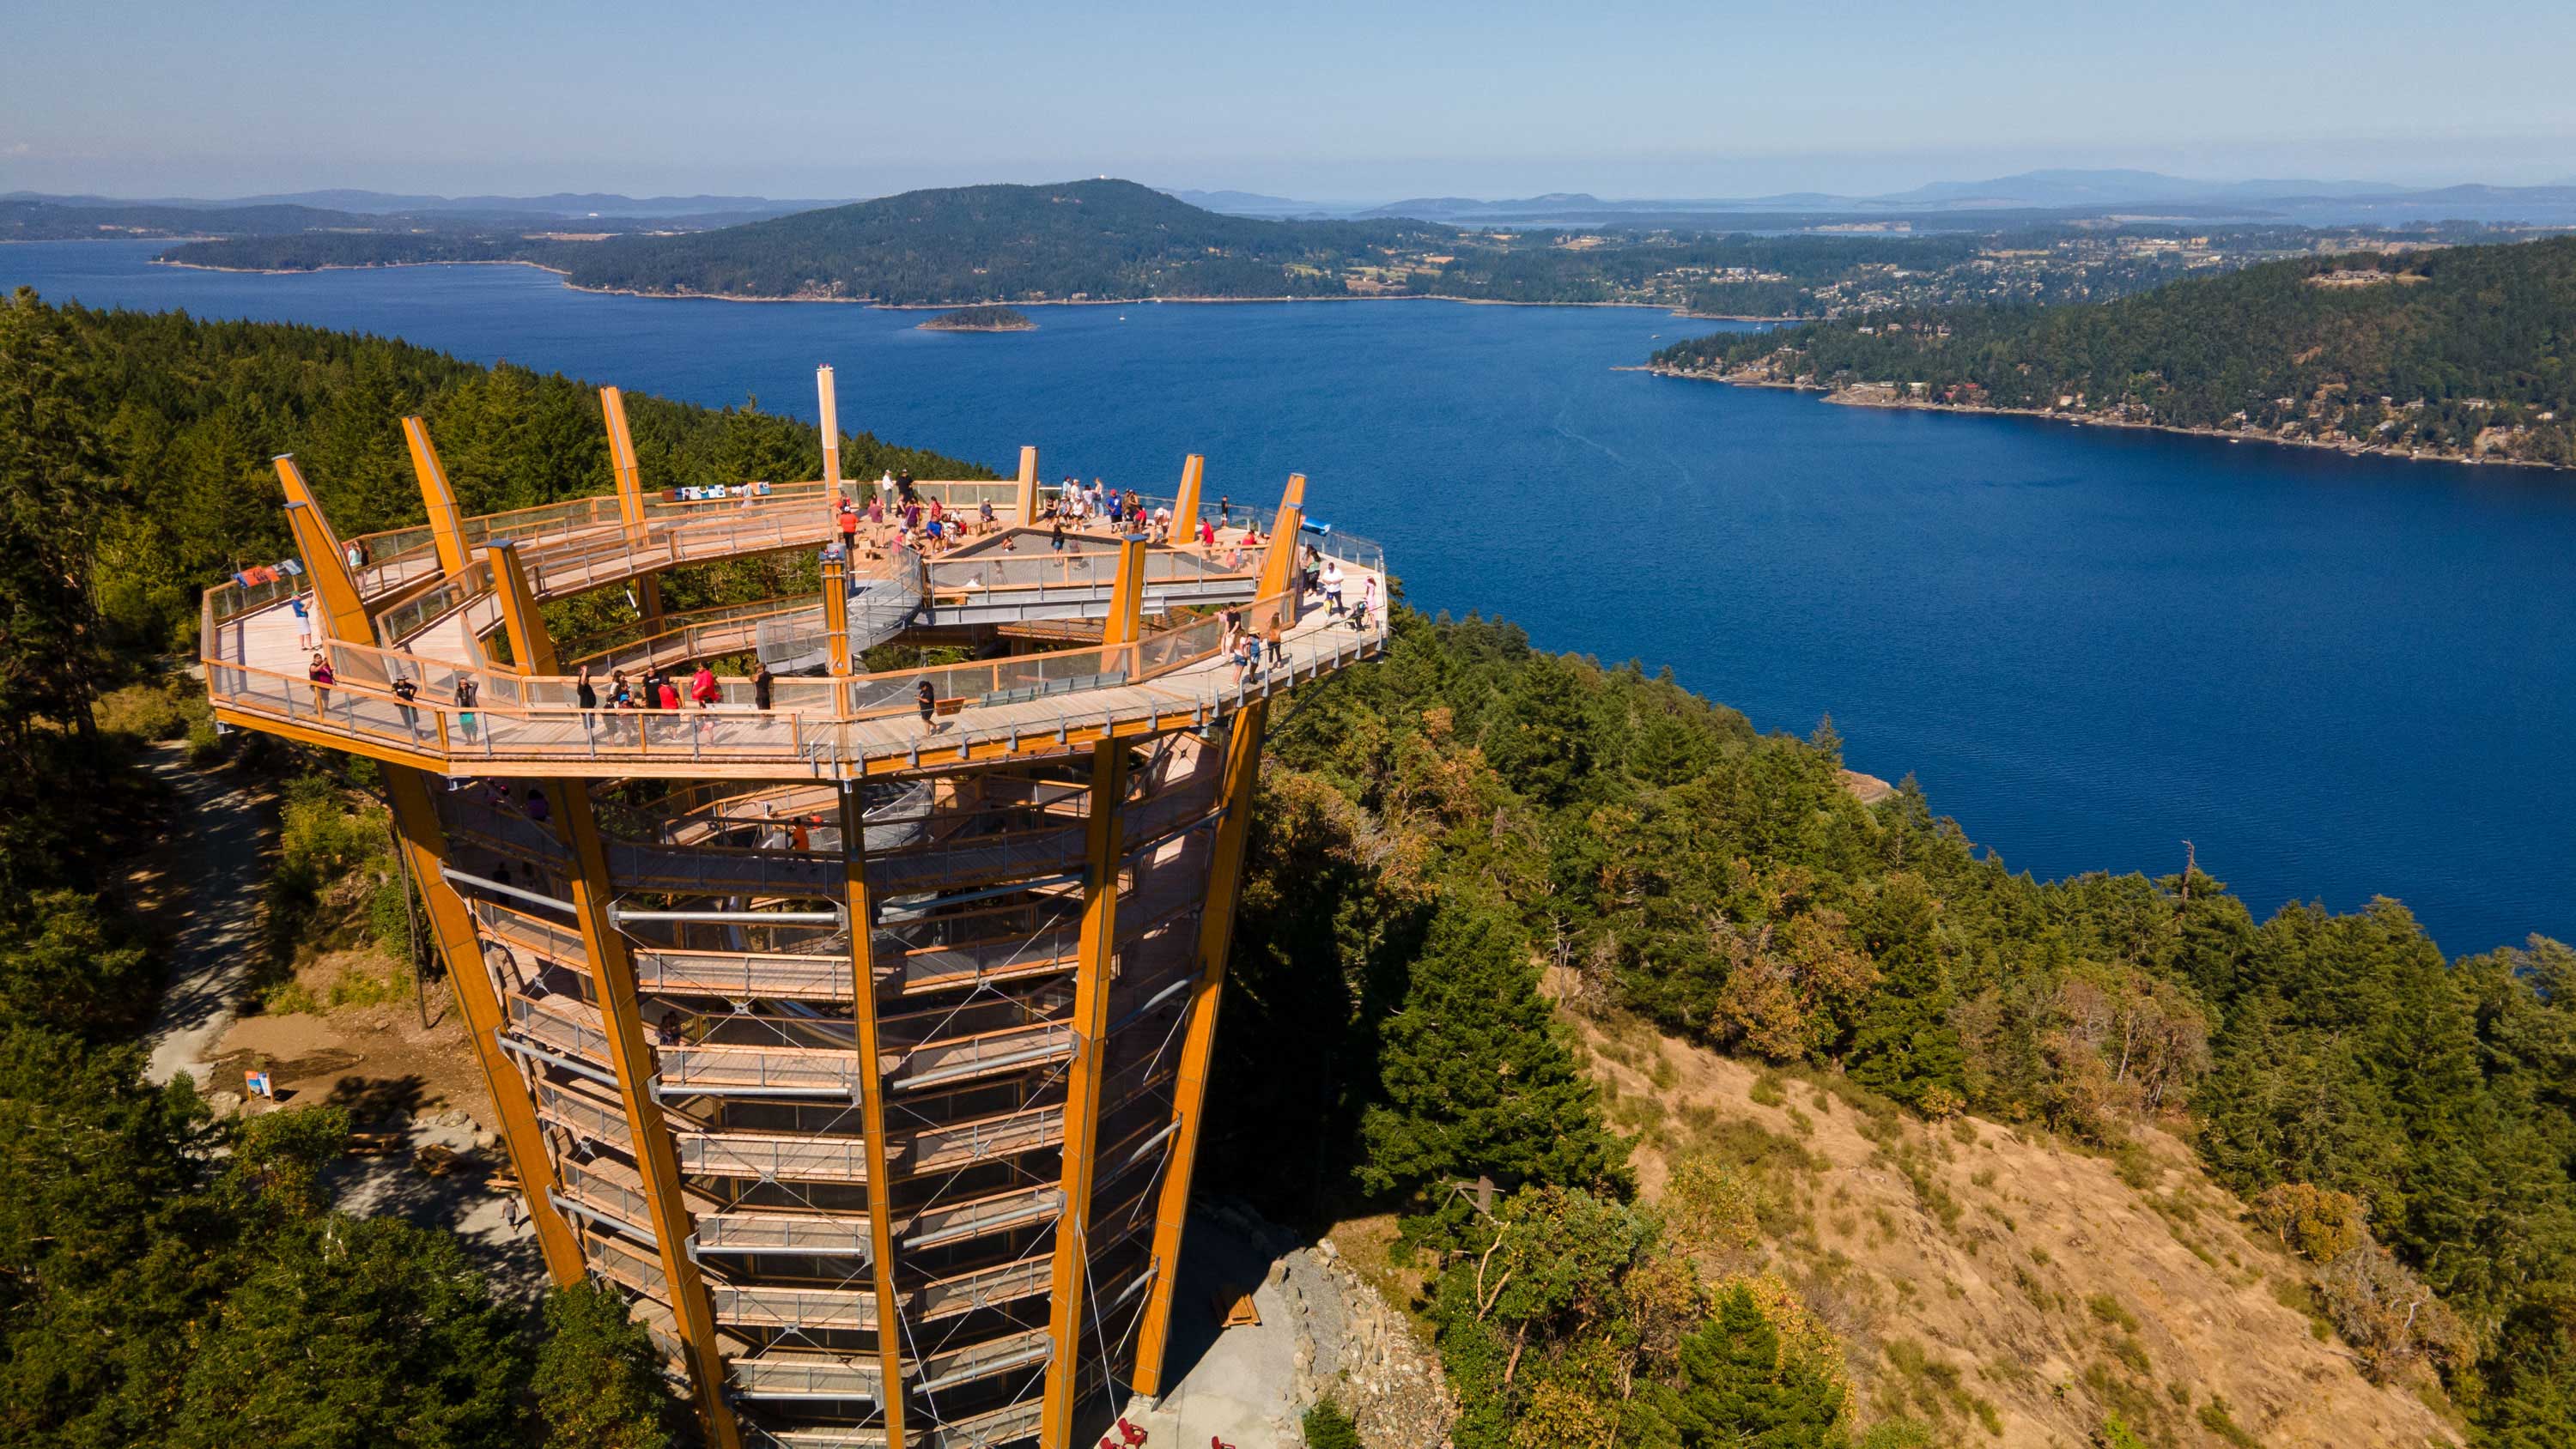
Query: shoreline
[(348, 266), (1662, 307), (2347, 449)]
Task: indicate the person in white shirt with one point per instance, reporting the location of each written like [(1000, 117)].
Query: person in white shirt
[(1333, 588)]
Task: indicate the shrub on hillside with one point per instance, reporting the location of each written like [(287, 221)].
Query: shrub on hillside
[(2389, 1317), (1327, 1427), (2319, 1224)]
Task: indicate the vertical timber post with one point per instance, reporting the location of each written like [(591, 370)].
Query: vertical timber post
[(1082, 1093), (863, 1019), (460, 949), (831, 428), (613, 974), (446, 525), (1185, 508), (836, 615), (1126, 621), (1189, 1088), (335, 589), (531, 647), (1026, 500)]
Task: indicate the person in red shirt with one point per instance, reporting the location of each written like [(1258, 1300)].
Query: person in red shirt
[(849, 525), (703, 687), (670, 695)]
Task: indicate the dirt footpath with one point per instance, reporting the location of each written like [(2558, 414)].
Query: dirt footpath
[(205, 878)]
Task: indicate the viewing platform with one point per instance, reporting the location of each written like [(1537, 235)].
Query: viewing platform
[(859, 1041), (424, 608)]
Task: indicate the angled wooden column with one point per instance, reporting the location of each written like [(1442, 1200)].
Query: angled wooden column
[(1279, 558), (630, 500), (1101, 844), (1185, 508), (340, 612), (612, 970), (831, 427), (1026, 501), (836, 614), (531, 647), (451, 929), (1198, 1045), (446, 525), (621, 462), (872, 1117)]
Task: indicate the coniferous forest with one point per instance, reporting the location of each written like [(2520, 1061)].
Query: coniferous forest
[(2458, 352), (1437, 833)]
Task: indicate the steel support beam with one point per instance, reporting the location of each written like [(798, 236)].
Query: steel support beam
[(342, 615), (863, 1020), (451, 929), (531, 646), (1082, 1093), (612, 971), (446, 525), (1189, 1089)]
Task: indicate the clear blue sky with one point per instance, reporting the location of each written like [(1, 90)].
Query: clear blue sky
[(1325, 100)]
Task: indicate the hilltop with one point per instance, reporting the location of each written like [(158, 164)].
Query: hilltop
[(1082, 239), (2458, 352)]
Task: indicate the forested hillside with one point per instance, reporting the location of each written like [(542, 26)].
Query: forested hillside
[(1438, 827), (998, 243), (166, 1278), (1434, 830), (2460, 352)]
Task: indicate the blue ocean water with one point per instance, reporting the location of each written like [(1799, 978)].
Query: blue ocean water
[(2339, 678)]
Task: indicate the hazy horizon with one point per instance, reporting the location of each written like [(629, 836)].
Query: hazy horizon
[(1336, 104)]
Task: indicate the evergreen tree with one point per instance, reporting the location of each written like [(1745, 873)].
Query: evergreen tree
[(1472, 1077), (52, 472), (1539, 736), (1735, 1387), (351, 1333), (1906, 1045), (597, 1384)]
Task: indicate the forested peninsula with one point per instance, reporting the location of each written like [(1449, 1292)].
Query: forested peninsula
[(2464, 352), (1467, 860)]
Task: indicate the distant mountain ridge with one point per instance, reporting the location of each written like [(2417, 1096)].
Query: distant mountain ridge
[(2309, 202), (558, 205)]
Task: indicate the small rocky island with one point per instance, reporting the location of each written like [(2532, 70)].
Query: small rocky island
[(980, 319)]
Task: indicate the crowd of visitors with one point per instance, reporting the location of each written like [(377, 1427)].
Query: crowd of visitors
[(895, 514)]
